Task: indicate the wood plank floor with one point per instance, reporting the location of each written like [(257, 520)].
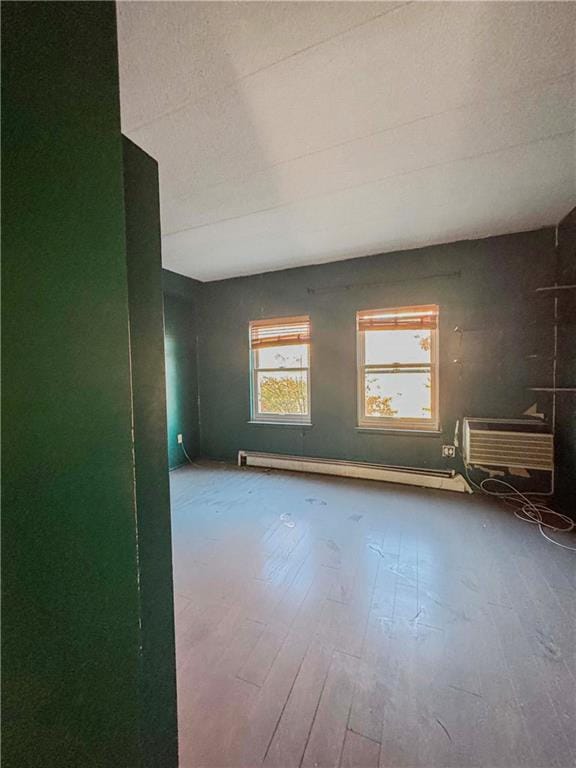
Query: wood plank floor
[(332, 622)]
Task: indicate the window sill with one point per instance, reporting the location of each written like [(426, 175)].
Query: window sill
[(404, 432), (294, 424)]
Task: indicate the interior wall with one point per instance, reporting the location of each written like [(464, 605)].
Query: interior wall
[(180, 322), (158, 663), (70, 607), (484, 287), (566, 374)]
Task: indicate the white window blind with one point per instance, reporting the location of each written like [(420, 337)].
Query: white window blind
[(273, 333)]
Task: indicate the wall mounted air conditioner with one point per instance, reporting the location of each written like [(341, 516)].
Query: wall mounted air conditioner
[(517, 445)]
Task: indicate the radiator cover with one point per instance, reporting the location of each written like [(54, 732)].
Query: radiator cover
[(518, 444)]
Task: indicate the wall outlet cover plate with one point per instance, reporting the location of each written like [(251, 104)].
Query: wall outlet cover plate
[(448, 451)]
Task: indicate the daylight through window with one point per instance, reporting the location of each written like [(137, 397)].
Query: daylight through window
[(280, 369), (398, 368)]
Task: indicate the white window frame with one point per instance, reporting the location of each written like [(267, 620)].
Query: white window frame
[(277, 418), (393, 423)]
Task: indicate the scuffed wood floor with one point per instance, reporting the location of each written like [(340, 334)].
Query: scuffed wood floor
[(332, 622)]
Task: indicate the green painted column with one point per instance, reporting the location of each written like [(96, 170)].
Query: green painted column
[(73, 674), (158, 711), (181, 344), (565, 448)]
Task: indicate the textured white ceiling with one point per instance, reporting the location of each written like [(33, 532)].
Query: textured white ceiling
[(298, 133)]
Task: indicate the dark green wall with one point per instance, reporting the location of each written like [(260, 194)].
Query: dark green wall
[(180, 321), (70, 606), (483, 286), (486, 287), (566, 401), (158, 673)]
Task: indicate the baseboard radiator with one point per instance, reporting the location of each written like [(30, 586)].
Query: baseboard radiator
[(426, 478)]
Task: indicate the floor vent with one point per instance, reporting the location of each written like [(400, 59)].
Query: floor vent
[(426, 478)]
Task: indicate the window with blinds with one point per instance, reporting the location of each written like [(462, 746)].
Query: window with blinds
[(398, 368), (280, 370)]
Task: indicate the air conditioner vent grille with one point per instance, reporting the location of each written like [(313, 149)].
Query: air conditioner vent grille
[(507, 448)]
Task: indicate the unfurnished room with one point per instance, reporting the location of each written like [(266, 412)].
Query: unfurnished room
[(289, 384)]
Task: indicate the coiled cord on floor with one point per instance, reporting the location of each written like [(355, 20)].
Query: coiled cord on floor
[(526, 509)]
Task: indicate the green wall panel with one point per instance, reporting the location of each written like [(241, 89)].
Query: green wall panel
[(180, 318), (158, 699), (70, 607), (566, 372)]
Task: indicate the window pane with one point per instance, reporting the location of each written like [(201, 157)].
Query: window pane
[(397, 347), (399, 395), (283, 393), (290, 356)]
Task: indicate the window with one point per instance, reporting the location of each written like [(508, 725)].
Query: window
[(398, 368), (280, 370)]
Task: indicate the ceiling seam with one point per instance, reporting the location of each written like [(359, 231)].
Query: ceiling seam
[(191, 102), (380, 131), (369, 183)]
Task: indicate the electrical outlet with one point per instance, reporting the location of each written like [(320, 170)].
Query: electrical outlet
[(180, 439), (448, 451)]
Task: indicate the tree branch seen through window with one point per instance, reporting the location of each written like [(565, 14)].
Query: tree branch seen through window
[(280, 361), (397, 368)]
